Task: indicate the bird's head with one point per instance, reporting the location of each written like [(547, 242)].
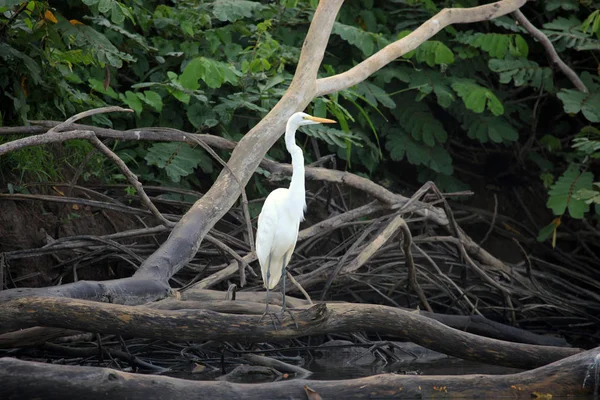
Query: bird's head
[(301, 119)]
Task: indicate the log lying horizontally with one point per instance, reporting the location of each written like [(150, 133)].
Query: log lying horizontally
[(572, 376), (319, 319), (248, 303)]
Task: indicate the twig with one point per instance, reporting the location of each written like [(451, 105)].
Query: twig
[(491, 228), (410, 264), (131, 178), (242, 264), (299, 286), (88, 113), (279, 365), (543, 39)]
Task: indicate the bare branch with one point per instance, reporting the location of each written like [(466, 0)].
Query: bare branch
[(447, 16), (543, 39), (88, 113), (131, 177)]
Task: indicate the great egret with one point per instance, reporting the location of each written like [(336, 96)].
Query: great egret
[(282, 212)]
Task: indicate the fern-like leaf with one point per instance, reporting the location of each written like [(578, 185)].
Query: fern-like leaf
[(575, 101), (477, 98), (561, 194), (567, 33), (332, 136), (415, 118), (497, 45), (523, 72), (400, 145), (366, 42), (487, 128), (178, 159)]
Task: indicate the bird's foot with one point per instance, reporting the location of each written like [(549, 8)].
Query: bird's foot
[(273, 317), (287, 310)]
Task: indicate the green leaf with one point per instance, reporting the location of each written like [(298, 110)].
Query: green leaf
[(568, 5), (428, 81), (567, 33), (332, 136), (497, 45), (213, 73), (476, 97), (98, 86), (178, 159), (433, 52), (523, 73), (8, 53), (374, 94), (232, 10), (561, 194), (486, 128), (575, 101), (417, 119), (366, 42), (133, 101), (401, 145), (153, 99), (593, 21)]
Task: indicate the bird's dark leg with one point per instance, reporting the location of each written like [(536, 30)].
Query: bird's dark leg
[(267, 286), (283, 276)]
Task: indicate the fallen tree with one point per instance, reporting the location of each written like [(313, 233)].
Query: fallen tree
[(572, 376)]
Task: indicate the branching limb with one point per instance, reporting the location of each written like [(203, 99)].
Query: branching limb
[(550, 50), (447, 16)]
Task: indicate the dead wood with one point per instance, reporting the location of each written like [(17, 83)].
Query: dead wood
[(319, 319), (32, 336), (253, 303), (572, 376)]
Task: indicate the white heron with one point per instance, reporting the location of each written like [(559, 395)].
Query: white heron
[(282, 213)]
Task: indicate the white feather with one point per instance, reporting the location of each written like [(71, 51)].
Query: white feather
[(279, 220)]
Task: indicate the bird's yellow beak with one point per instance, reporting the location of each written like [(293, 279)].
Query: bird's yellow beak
[(321, 120)]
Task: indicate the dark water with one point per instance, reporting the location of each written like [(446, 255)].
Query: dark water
[(338, 361)]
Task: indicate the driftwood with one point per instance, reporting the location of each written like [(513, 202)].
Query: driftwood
[(573, 376), (253, 303), (319, 319)]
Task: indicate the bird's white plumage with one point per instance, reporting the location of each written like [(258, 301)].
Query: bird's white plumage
[(276, 236), (279, 220)]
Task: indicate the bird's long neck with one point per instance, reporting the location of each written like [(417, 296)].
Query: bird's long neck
[(297, 195)]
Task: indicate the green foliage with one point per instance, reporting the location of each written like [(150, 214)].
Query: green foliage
[(415, 119), (568, 33), (523, 72), (220, 66), (477, 98), (561, 194), (592, 23), (586, 103), (178, 159), (495, 44), (400, 145), (366, 42)]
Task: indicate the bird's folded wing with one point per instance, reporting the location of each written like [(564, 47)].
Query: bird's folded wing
[(265, 236)]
